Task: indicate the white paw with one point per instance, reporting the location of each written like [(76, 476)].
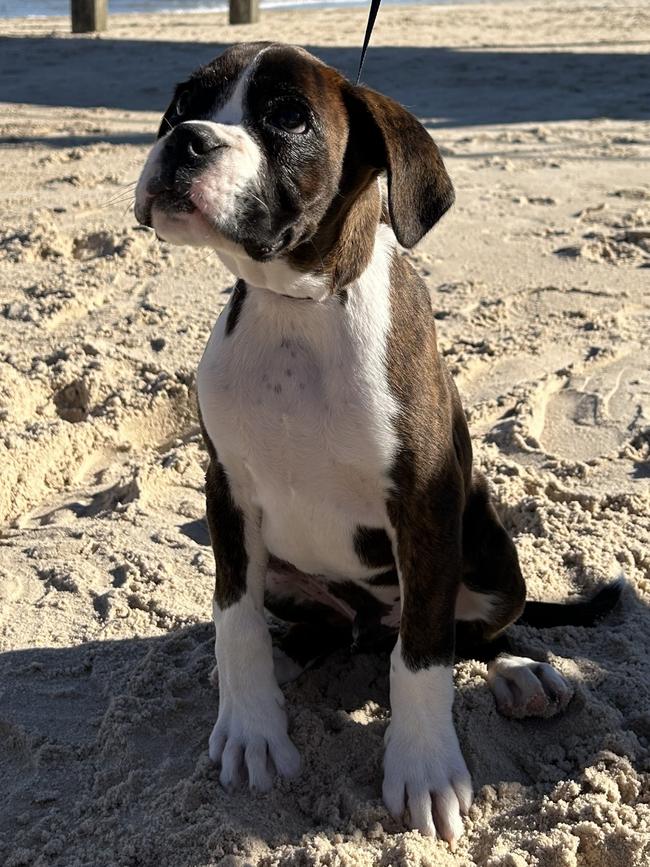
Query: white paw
[(523, 687), (425, 774), (253, 741)]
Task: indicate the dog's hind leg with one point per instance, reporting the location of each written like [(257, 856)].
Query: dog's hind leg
[(314, 622), (491, 597)]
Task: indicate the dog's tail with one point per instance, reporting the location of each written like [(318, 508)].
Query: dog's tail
[(584, 613)]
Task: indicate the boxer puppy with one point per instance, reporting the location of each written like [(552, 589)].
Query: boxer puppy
[(340, 489)]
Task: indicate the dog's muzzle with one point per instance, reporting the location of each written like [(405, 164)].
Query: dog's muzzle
[(191, 146), (188, 150)]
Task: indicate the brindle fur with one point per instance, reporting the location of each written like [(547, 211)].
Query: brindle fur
[(446, 527)]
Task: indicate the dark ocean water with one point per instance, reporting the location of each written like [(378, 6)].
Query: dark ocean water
[(30, 8)]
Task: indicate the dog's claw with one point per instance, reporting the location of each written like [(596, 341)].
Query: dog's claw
[(238, 751), (431, 785)]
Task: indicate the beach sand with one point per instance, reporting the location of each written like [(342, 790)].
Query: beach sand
[(539, 278)]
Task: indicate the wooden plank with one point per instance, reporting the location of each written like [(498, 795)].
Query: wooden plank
[(89, 16), (244, 11)]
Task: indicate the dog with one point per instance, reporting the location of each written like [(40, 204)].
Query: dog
[(340, 492)]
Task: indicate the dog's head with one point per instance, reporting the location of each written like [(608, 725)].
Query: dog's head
[(271, 157)]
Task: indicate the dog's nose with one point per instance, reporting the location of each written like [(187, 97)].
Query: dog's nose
[(191, 143)]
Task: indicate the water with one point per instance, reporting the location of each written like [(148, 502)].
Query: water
[(39, 8)]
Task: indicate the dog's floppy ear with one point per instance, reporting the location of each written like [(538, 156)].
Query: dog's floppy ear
[(419, 188)]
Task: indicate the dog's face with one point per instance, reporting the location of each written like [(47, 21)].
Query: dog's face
[(267, 155)]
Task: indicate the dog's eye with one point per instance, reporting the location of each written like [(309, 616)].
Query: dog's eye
[(182, 103), (290, 118)]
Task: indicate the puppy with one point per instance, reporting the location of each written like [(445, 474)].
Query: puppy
[(340, 490)]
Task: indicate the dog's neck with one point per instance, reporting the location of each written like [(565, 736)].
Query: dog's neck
[(372, 281), (337, 254), (277, 276), (342, 246)]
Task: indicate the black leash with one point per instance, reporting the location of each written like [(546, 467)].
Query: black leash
[(372, 15)]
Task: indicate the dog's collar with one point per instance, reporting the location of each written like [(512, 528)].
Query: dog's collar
[(295, 297)]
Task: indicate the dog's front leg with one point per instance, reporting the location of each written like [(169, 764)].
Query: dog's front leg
[(424, 770), (251, 729)]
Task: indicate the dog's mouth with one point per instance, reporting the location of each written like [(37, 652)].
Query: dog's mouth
[(162, 203), (172, 199)]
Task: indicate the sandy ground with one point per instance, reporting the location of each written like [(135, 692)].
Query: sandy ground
[(539, 278)]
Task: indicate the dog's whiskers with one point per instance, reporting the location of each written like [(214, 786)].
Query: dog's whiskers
[(125, 193), (262, 203), (129, 199)]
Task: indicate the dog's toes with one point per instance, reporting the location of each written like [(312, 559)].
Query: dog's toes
[(446, 811), (231, 763), (257, 764), (556, 687), (462, 784), (217, 743), (239, 749), (419, 805), (523, 687), (393, 795), (425, 776), (286, 757)]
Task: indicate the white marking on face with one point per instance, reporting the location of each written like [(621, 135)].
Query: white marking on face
[(424, 769), (218, 194), (232, 173), (149, 171), (216, 191), (297, 398), (232, 111)]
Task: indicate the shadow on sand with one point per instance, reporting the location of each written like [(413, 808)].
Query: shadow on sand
[(104, 748), (444, 87)]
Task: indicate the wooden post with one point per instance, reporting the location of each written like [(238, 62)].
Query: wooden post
[(244, 11), (88, 16)]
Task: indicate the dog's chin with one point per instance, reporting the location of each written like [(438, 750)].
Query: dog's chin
[(184, 228), (247, 259), (190, 226)]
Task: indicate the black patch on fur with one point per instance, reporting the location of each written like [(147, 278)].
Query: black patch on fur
[(236, 303), (426, 502), (226, 525), (490, 562), (373, 547)]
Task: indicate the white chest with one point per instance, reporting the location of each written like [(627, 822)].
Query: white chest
[(296, 403)]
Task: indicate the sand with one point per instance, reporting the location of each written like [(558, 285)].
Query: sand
[(539, 278)]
